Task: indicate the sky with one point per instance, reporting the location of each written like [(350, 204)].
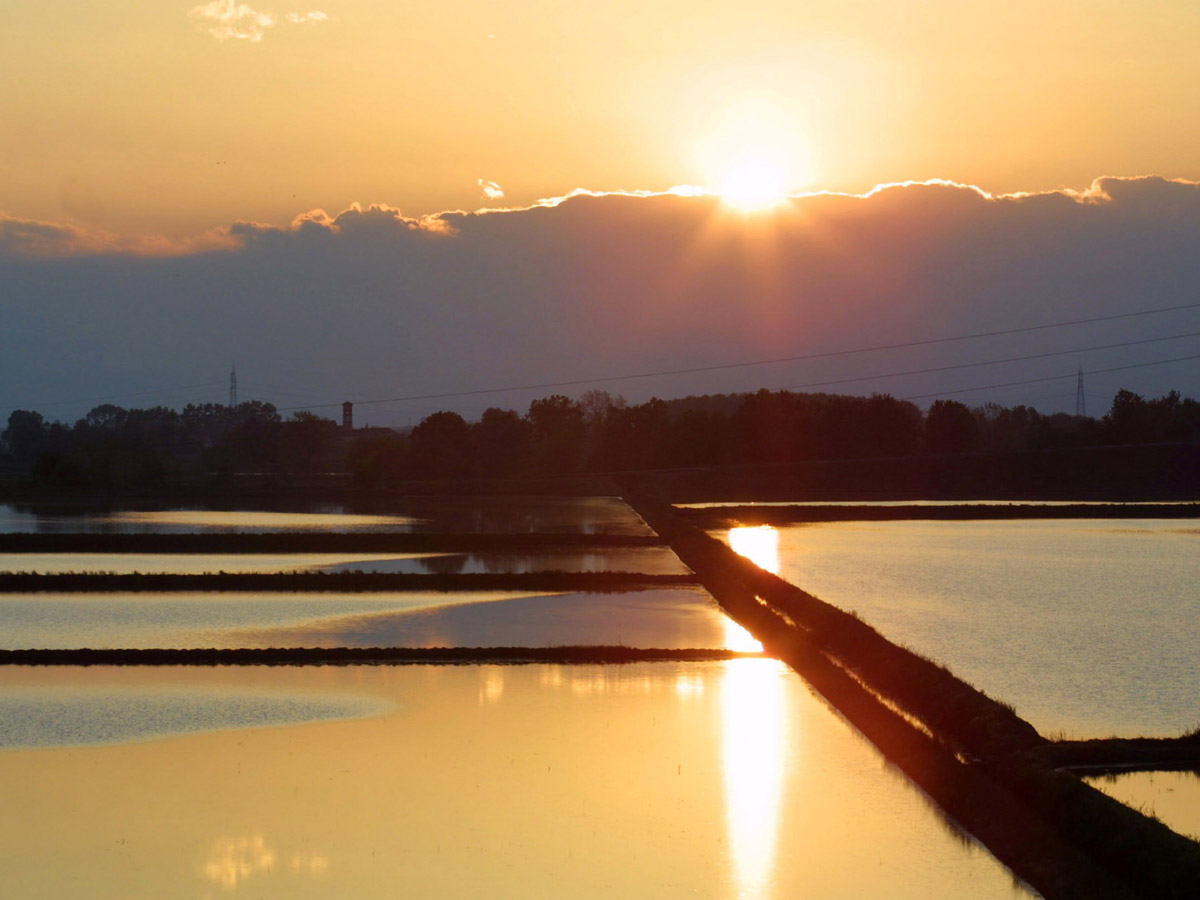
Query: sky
[(369, 201)]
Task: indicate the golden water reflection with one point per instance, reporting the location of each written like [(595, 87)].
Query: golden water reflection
[(1073, 621), (1171, 797), (758, 543), (739, 639), (233, 520), (754, 745), (652, 780)]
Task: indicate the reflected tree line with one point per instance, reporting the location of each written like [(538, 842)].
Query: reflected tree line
[(116, 447)]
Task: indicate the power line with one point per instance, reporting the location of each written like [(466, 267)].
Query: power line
[(988, 387), (990, 362), (760, 362)]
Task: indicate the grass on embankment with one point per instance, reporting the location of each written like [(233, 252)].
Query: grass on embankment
[(1112, 755), (362, 656), (341, 582)]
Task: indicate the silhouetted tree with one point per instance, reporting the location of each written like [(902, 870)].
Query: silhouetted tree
[(1134, 420), (696, 437), (950, 427), (889, 427), (25, 435), (557, 438), (306, 441), (501, 442), (769, 428), (374, 458), (631, 437), (440, 446)]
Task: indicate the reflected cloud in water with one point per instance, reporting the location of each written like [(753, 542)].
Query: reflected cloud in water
[(234, 860), (689, 685), (63, 717), (595, 681), (491, 684)]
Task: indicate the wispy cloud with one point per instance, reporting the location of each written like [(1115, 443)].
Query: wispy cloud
[(230, 20), (32, 238), (312, 17), (491, 190)]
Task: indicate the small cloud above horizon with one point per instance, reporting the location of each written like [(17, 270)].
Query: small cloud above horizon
[(490, 189), (229, 20), (312, 17)]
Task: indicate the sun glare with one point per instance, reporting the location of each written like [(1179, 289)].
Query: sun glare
[(754, 156), (753, 185)]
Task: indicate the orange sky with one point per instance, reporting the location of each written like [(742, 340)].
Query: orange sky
[(144, 118), (145, 126)]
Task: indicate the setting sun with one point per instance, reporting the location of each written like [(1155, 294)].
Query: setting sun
[(754, 155), (753, 184)]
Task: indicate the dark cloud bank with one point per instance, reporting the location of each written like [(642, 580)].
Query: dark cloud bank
[(373, 305)]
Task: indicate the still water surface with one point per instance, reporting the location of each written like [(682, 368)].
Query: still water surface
[(201, 563), (579, 515), (719, 504), (647, 560), (1086, 626), (671, 617), (1173, 797), (714, 780), (116, 714)]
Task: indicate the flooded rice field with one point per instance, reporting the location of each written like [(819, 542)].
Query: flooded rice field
[(511, 515), (654, 780), (674, 617), (1084, 625), (1171, 797), (646, 560), (665, 779)]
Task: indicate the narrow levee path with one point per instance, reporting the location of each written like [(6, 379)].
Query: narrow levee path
[(987, 769), (343, 582), (319, 656)]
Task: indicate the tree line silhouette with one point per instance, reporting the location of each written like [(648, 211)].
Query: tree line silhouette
[(113, 447)]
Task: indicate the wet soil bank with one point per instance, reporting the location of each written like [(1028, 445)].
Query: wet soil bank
[(1112, 755), (984, 766), (310, 656), (315, 542), (727, 516), (341, 582)]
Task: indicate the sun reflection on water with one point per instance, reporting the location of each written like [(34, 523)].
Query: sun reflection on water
[(758, 543), (739, 639), (754, 742)]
